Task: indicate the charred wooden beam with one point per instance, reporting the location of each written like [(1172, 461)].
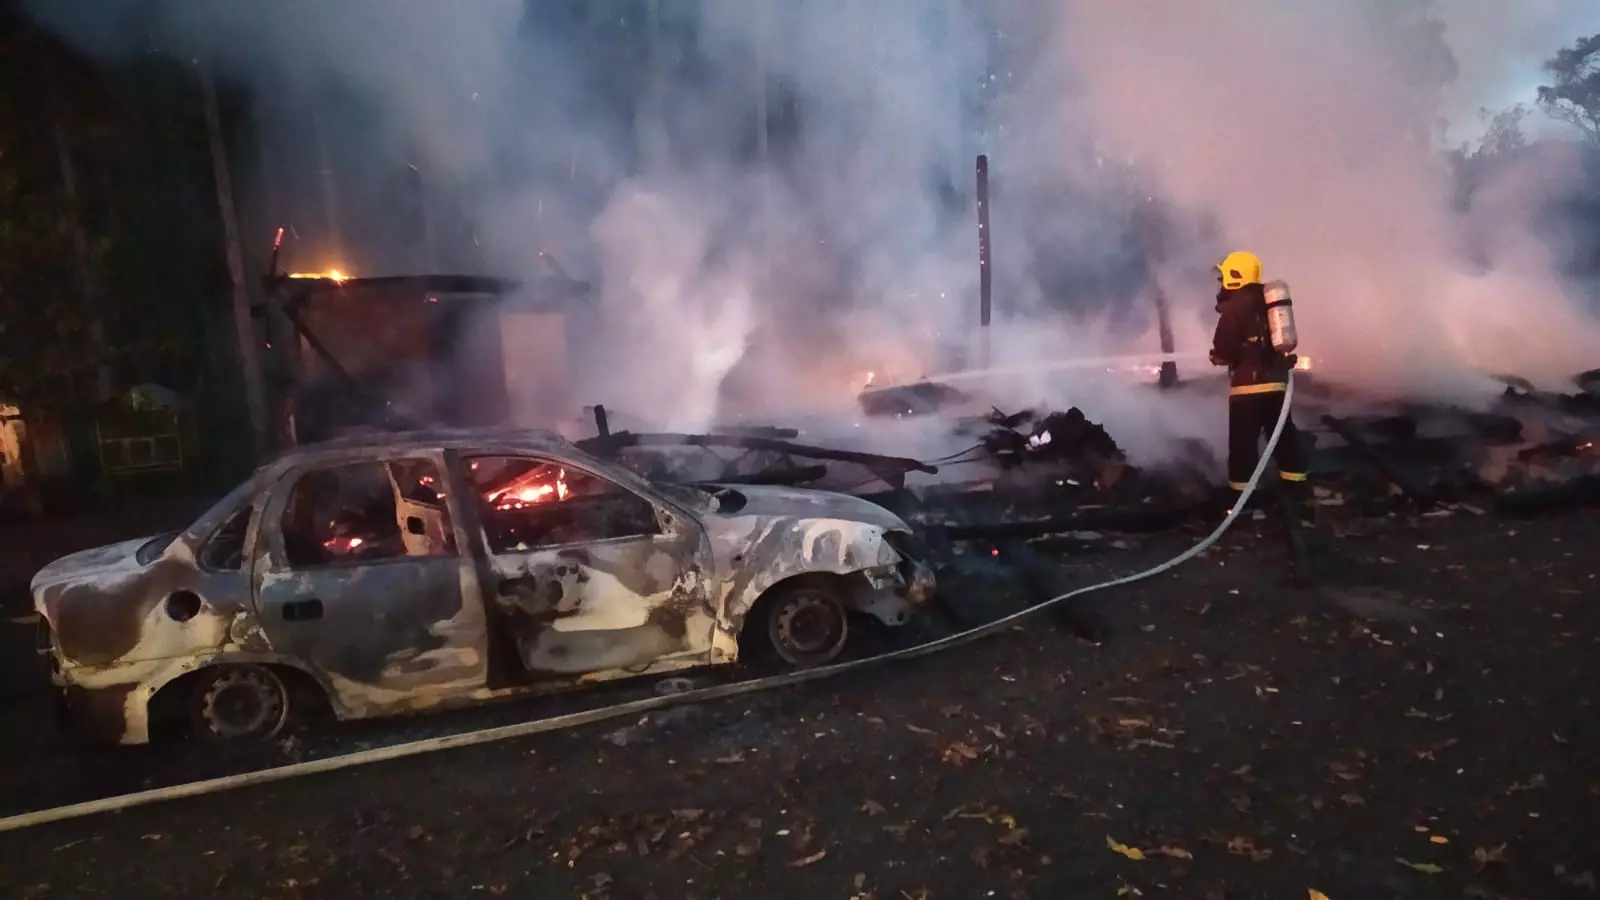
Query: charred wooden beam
[(1399, 479), (891, 469)]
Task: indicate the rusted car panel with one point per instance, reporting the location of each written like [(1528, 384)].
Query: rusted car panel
[(415, 631)]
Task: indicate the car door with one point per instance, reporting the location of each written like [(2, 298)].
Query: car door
[(360, 577), (589, 575)]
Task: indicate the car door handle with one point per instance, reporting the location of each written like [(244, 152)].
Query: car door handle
[(302, 610)]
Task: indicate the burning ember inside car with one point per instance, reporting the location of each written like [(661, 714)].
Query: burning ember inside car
[(538, 485)]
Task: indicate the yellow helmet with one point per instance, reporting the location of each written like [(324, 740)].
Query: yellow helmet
[(1239, 269)]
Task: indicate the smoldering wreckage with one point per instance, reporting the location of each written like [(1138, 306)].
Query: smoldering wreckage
[(349, 576)]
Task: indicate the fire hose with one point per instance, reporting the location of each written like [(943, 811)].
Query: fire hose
[(635, 707)]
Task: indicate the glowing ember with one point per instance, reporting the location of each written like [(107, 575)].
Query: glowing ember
[(1303, 364), (530, 490), (343, 543), (331, 275)]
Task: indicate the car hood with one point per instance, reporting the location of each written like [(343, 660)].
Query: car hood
[(96, 564), (785, 502)]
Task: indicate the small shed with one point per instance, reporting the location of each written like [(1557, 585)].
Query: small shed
[(408, 351)]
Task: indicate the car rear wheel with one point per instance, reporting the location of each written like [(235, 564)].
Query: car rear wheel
[(806, 624), (240, 703)]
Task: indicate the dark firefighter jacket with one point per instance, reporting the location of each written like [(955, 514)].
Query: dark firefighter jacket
[(1243, 344)]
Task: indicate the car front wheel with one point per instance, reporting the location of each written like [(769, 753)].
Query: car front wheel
[(805, 625)]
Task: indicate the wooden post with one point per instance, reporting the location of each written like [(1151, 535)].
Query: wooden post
[(985, 274), (244, 325), (1152, 237)]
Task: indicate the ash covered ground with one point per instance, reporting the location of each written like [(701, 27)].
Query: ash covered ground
[(1423, 729)]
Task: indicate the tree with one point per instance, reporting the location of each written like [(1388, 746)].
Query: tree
[(1574, 94), (46, 319), (1502, 134)]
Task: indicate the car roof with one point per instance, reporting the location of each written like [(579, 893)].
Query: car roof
[(536, 440)]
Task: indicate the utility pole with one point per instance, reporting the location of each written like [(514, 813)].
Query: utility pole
[(430, 242), (763, 123), (243, 323)]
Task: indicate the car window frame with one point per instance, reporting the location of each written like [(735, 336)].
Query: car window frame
[(246, 552), (274, 555), (464, 457)]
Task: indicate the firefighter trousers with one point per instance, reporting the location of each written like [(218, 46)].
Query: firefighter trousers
[(1251, 418)]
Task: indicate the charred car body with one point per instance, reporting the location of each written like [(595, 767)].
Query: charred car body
[(401, 572)]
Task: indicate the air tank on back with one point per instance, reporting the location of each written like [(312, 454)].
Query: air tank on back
[(1280, 317)]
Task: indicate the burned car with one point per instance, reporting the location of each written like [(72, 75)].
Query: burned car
[(394, 573)]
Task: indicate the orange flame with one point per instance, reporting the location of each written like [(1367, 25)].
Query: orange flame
[(528, 490), (334, 275)]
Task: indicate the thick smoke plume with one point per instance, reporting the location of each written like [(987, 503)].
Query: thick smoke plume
[(759, 275)]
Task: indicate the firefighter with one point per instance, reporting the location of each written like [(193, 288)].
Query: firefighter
[(1258, 374)]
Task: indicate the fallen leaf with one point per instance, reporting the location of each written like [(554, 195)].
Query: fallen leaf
[(1353, 799), (1485, 855), (958, 753), (1124, 849), (1243, 846), (915, 730), (416, 833), (1316, 894), (808, 860), (1014, 837), (1172, 852), (1439, 839), (730, 759), (1241, 771), (873, 808), (688, 815), (1424, 868), (948, 711)]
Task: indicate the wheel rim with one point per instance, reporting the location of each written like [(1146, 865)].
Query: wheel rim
[(244, 702), (808, 628)]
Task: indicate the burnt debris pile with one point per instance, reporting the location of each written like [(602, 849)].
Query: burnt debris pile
[(1530, 450), (1066, 439)]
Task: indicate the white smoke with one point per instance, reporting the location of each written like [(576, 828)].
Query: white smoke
[(732, 285)]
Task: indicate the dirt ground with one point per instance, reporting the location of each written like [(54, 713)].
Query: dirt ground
[(1427, 730)]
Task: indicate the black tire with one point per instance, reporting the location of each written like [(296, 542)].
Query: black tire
[(803, 625), (238, 704)]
